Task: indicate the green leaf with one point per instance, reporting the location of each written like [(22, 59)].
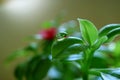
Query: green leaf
[(88, 31), (116, 50), (61, 44), (113, 33), (32, 63), (106, 29), (16, 54), (115, 72), (71, 53), (74, 57), (42, 69), (24, 52), (108, 77), (32, 47), (47, 24), (99, 42), (20, 71), (37, 68)]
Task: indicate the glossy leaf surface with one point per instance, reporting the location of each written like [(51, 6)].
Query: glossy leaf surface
[(88, 31), (106, 29), (113, 33), (61, 45)]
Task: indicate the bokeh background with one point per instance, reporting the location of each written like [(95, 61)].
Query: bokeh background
[(22, 18)]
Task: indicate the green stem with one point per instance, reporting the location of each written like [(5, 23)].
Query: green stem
[(88, 55), (85, 72)]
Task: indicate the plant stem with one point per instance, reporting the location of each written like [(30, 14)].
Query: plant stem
[(85, 72), (86, 64)]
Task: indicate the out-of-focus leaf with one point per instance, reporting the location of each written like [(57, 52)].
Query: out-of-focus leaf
[(61, 44), (32, 63), (116, 49), (54, 73), (106, 29), (47, 24), (108, 77), (88, 31), (46, 47), (74, 57), (115, 72), (37, 68), (42, 69), (22, 52), (20, 71), (32, 47), (16, 54), (98, 62), (69, 27)]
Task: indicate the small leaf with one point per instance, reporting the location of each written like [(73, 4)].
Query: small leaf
[(88, 31), (116, 49), (106, 29), (99, 42), (16, 54), (47, 24), (32, 46), (61, 44)]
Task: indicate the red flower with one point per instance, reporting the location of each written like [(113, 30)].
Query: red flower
[(48, 34)]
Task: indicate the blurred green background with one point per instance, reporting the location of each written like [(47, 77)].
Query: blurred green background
[(22, 18)]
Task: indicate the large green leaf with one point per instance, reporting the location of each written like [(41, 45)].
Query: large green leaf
[(88, 31), (106, 29), (32, 63), (72, 53), (37, 68), (41, 69), (61, 44), (20, 71)]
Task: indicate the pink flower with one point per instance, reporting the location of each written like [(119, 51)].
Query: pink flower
[(48, 34)]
